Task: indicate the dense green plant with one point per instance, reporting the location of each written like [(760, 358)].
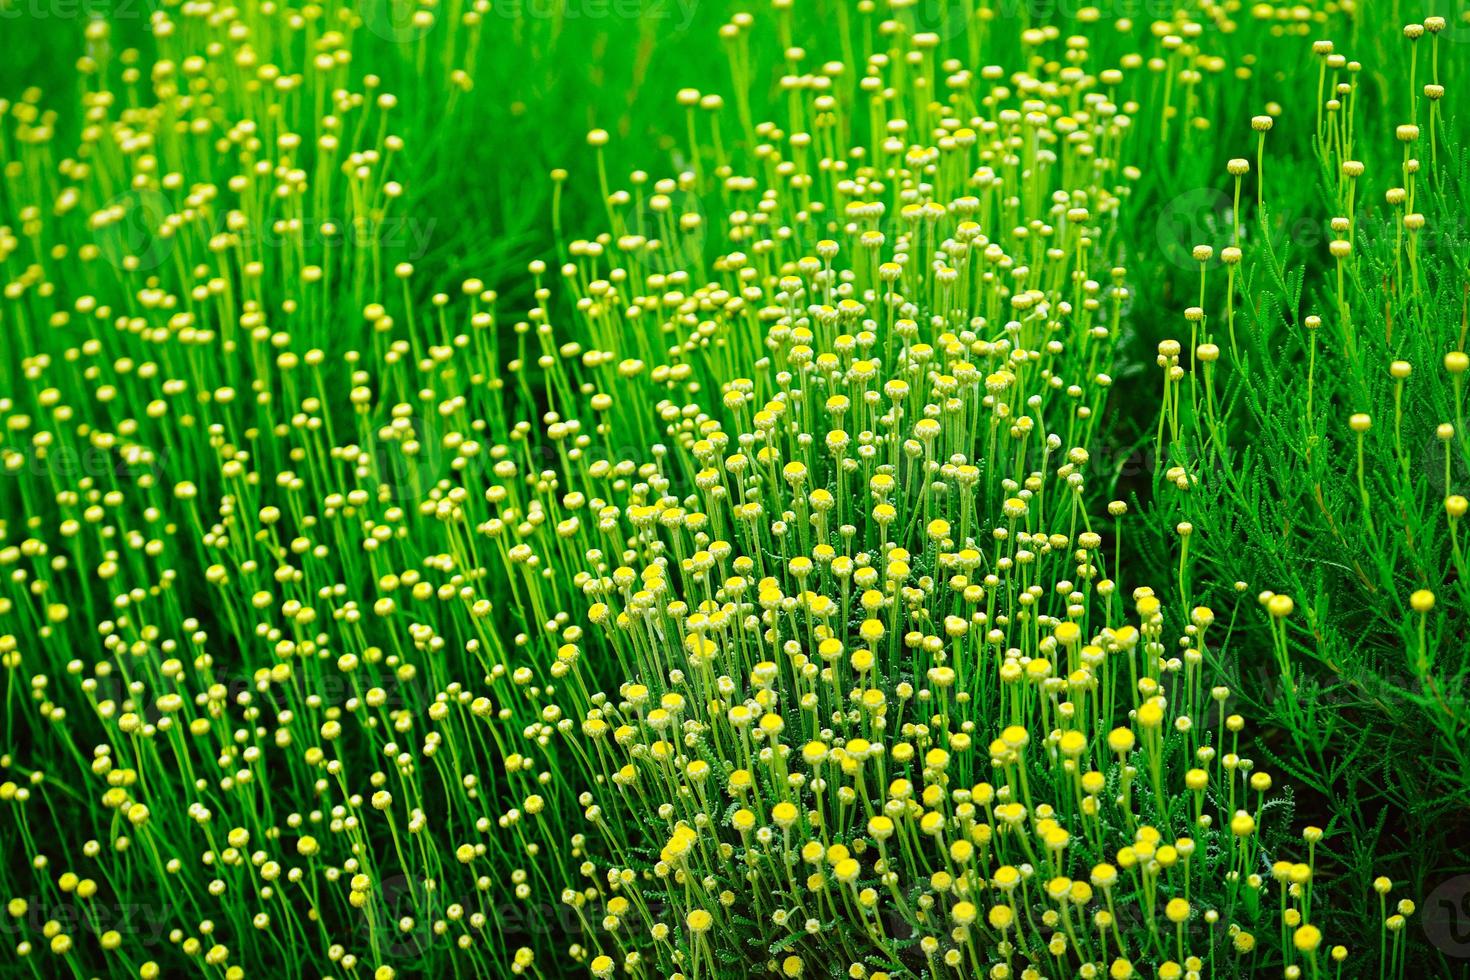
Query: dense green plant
[(1318, 441), (421, 560)]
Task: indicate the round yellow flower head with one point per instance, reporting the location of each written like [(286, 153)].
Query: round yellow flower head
[(1307, 938)]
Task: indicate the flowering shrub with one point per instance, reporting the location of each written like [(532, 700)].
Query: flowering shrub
[(764, 596)]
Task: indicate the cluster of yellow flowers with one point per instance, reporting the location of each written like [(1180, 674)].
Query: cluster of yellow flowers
[(821, 638), (781, 632)]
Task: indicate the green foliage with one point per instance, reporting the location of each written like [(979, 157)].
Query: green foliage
[(439, 540)]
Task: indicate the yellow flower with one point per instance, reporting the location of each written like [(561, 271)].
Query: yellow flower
[(1307, 938)]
